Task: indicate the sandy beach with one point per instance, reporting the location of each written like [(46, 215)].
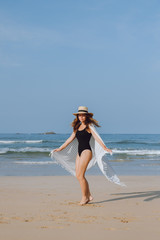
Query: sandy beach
[(47, 208)]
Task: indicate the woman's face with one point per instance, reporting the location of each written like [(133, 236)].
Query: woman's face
[(82, 117)]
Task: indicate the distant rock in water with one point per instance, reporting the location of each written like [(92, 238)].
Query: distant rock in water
[(49, 133)]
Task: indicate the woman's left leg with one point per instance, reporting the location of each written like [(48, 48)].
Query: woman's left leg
[(83, 162)]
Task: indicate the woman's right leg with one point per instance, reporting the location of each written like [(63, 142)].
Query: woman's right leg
[(81, 165)]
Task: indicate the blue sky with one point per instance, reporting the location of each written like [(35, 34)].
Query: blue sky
[(57, 55)]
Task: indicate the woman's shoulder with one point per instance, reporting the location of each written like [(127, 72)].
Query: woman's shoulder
[(90, 128), (74, 131)]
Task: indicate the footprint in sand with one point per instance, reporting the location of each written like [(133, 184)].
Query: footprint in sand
[(3, 222), (122, 220), (28, 219), (94, 205), (53, 227), (17, 218), (44, 226), (110, 229)]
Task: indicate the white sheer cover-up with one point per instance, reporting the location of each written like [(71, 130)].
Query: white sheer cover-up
[(67, 157)]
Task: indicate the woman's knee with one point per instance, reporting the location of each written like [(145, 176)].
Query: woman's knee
[(79, 176)]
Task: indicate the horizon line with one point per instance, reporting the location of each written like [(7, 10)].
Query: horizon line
[(44, 133)]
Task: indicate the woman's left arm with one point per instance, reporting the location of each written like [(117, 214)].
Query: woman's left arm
[(100, 142)]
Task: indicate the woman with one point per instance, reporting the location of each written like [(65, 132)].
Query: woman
[(82, 131)]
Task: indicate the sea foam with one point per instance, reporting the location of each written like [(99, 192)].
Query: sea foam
[(20, 141), (137, 152)]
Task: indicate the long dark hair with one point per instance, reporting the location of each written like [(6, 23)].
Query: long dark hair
[(89, 120)]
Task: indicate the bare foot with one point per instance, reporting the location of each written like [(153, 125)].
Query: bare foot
[(90, 198), (84, 201)]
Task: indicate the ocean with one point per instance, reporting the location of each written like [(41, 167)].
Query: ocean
[(28, 154)]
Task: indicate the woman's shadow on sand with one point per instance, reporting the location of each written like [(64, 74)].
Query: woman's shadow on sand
[(149, 196)]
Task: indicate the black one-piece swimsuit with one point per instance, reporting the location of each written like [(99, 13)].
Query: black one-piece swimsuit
[(83, 138)]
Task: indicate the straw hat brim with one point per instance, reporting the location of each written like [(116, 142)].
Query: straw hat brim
[(75, 114)]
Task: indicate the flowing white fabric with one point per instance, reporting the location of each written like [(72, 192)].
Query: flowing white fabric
[(66, 158)]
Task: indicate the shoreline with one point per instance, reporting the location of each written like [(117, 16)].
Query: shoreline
[(47, 207)]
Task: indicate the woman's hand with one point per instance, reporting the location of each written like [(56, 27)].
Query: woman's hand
[(57, 150), (67, 142), (108, 150)]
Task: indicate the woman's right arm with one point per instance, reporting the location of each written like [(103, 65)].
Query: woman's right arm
[(100, 142), (67, 142)]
